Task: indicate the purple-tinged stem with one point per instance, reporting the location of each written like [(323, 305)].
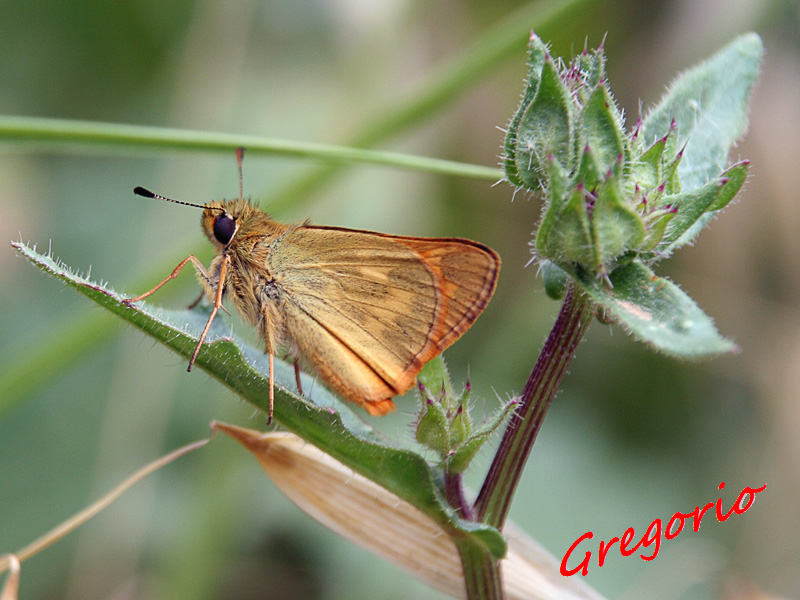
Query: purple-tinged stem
[(454, 492), (494, 499)]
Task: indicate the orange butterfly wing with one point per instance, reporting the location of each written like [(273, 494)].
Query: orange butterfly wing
[(368, 310)]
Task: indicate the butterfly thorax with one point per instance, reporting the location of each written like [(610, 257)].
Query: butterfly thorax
[(248, 281)]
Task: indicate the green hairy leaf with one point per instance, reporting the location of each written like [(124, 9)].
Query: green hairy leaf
[(658, 312), (709, 105)]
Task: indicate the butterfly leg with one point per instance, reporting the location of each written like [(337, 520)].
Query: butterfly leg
[(223, 267), (268, 334), (197, 301), (297, 377), (197, 265), (271, 387)]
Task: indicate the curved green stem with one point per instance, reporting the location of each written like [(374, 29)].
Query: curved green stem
[(91, 132)]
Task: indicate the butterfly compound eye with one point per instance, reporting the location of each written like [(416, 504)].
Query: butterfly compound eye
[(224, 228)]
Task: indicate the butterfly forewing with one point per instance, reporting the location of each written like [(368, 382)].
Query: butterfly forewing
[(368, 310), (378, 298)]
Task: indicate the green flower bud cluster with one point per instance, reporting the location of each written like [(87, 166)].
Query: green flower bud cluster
[(444, 424), (611, 196)]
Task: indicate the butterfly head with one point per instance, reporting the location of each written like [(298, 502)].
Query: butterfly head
[(222, 220), (225, 220)]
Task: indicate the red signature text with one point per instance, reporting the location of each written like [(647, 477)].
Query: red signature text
[(651, 540)]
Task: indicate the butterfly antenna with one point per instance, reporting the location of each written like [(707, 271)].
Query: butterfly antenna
[(239, 160), (145, 193)]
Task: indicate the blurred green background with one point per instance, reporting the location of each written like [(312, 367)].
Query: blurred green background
[(632, 437)]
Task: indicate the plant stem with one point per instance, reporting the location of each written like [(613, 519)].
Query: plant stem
[(495, 496), (92, 132), (454, 492), (481, 572)]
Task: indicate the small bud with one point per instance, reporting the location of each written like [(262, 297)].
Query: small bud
[(460, 428), (460, 459), (432, 429), (544, 127)]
